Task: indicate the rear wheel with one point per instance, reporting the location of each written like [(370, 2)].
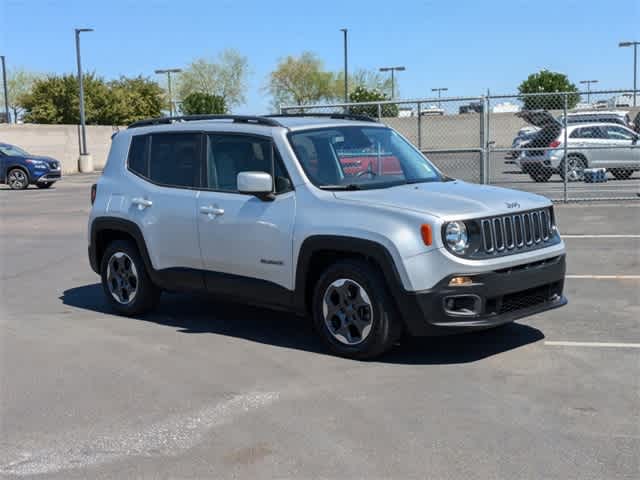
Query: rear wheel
[(352, 311), (575, 168), (125, 280), (17, 179), (621, 173), (44, 184)]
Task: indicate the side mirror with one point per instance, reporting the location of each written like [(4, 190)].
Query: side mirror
[(259, 184)]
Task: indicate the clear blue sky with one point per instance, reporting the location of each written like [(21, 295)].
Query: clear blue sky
[(465, 45)]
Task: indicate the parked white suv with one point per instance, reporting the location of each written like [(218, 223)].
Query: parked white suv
[(260, 210), (589, 145)]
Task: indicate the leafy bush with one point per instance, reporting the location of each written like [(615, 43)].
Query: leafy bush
[(363, 94), (55, 100), (197, 103)]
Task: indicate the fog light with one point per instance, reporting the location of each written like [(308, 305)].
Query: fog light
[(460, 281)]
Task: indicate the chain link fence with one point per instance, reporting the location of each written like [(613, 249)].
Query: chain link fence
[(567, 146)]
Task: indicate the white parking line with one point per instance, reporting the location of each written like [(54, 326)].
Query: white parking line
[(604, 277), (601, 236), (594, 344), (169, 437)]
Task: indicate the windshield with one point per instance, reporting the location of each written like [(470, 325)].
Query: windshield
[(12, 150), (360, 157)]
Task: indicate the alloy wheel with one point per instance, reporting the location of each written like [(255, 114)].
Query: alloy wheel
[(17, 179), (347, 311), (122, 278), (575, 169)]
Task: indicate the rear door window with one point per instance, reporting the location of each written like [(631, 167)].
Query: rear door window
[(175, 159)]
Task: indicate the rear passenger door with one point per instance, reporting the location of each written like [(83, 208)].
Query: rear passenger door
[(246, 242), (591, 142), (622, 153), (168, 171)]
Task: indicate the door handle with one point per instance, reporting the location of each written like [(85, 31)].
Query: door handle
[(142, 203), (211, 211)]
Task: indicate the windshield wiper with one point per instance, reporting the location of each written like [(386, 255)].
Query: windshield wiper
[(349, 186)]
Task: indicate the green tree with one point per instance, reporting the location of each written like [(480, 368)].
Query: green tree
[(546, 81), (301, 80), (19, 83), (362, 94), (198, 103), (133, 99), (54, 100), (226, 77)]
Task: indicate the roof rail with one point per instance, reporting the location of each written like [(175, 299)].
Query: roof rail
[(192, 118), (337, 116)]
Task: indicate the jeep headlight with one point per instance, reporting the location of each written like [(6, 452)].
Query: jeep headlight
[(456, 237)]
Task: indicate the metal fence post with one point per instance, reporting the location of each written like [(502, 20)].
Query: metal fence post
[(485, 120), (419, 126), (379, 112), (566, 148)]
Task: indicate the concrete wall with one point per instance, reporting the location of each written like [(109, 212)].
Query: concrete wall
[(59, 142)]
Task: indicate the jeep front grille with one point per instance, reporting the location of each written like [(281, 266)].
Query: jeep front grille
[(515, 233)]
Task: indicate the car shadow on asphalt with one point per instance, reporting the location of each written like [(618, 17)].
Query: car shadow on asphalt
[(193, 314)]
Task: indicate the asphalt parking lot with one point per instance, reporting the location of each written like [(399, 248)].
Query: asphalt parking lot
[(208, 390)]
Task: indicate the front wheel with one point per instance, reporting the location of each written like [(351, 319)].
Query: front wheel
[(125, 280), (17, 179), (352, 311), (575, 169)]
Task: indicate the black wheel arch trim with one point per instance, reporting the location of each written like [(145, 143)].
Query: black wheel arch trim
[(343, 245), (121, 225), (21, 167)]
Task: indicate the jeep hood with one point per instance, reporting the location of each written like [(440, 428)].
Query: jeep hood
[(450, 200)]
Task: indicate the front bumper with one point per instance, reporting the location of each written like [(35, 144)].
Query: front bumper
[(51, 176), (502, 296)]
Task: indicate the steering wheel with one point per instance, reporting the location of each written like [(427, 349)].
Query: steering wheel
[(367, 172)]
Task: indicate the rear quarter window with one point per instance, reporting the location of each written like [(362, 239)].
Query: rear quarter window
[(138, 160)]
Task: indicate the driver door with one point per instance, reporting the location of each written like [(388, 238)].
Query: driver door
[(246, 243)]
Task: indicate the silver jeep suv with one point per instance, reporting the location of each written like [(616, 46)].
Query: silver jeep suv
[(337, 218)]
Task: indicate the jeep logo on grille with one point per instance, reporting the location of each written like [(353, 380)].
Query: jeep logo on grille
[(512, 204)]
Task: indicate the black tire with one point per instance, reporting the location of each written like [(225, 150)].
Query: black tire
[(541, 176), (580, 163), (146, 295), (44, 184), (17, 179), (621, 173), (384, 323)]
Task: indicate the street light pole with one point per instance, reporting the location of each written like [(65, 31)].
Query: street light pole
[(4, 86), (346, 67), (83, 142), (392, 70), (588, 83), (634, 44), (439, 90), (169, 71)]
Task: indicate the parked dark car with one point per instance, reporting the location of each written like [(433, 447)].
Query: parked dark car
[(19, 169)]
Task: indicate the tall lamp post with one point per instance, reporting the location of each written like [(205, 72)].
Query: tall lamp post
[(85, 163), (633, 44), (169, 71), (392, 70), (346, 66), (588, 84), (4, 87), (439, 90)]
